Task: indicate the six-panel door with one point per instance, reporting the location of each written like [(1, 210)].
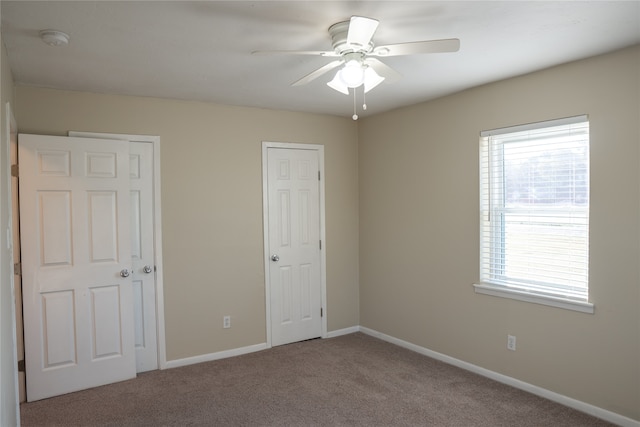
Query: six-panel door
[(77, 290), (294, 242)]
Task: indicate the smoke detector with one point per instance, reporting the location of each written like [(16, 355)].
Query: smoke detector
[(54, 37)]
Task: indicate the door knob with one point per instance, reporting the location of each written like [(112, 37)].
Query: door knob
[(147, 269), (124, 272), (275, 258)]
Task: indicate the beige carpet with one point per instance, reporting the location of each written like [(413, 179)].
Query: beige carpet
[(353, 380)]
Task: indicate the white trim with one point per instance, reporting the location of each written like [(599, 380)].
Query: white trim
[(505, 292), (536, 125), (265, 242), (245, 350), (11, 128), (504, 379), (265, 221), (215, 356), (157, 232), (345, 331)]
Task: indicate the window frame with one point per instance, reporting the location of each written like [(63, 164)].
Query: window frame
[(530, 291)]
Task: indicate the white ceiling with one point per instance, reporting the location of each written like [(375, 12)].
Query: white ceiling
[(202, 50)]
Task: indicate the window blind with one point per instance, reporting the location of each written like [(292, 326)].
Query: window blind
[(534, 205)]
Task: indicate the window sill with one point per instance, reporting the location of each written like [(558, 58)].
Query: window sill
[(504, 292)]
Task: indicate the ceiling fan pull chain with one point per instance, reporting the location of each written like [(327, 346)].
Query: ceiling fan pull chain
[(355, 116), (364, 100)]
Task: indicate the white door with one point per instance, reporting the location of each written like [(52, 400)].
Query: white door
[(143, 244), (142, 253), (294, 244), (76, 259)]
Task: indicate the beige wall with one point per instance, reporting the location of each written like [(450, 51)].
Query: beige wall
[(211, 176), (419, 228)]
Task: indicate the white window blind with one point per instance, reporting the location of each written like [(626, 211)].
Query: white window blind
[(534, 207)]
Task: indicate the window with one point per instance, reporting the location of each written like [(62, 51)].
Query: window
[(534, 213)]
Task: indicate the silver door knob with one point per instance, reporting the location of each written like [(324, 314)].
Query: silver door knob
[(147, 269), (124, 272), (275, 258)]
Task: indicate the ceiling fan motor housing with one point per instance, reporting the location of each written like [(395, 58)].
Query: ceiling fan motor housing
[(338, 33)]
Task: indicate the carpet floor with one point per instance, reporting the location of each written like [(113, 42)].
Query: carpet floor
[(352, 380)]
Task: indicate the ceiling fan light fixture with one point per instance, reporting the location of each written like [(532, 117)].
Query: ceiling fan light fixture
[(352, 74), (371, 79), (338, 84)]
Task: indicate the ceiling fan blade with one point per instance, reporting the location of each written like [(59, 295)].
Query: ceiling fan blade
[(317, 73), (295, 52), (427, 46), (361, 30), (383, 69)]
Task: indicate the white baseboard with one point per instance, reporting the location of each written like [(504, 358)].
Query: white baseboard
[(345, 331), (215, 356), (243, 350), (603, 414)]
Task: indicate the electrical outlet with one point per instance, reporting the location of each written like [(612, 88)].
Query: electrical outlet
[(226, 322), (511, 342)]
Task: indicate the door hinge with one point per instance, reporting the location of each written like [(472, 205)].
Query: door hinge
[(320, 244), (17, 269), (318, 175), (321, 312), (21, 367), (14, 170)]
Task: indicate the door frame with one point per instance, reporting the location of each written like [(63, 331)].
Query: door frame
[(265, 217), (157, 230), (11, 379)]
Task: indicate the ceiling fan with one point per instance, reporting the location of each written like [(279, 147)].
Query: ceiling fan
[(358, 55)]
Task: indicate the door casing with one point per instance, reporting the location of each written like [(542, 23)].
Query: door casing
[(15, 383), (265, 217)]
